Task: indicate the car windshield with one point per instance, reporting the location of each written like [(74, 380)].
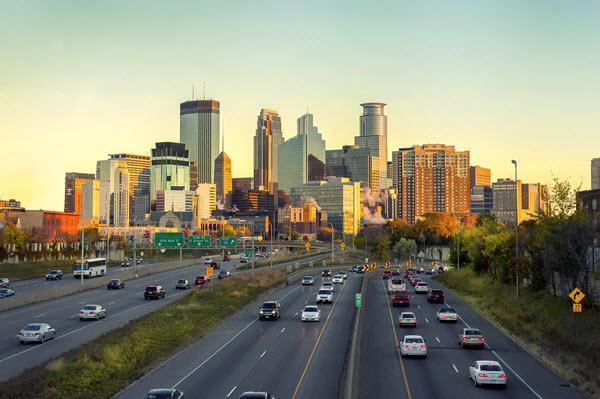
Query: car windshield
[(32, 327), (490, 367), (413, 340), (180, 281), (114, 281), (311, 309), (436, 292), (53, 272), (166, 395), (307, 278), (150, 289), (89, 307), (422, 284), (3, 291), (408, 316), (327, 284), (447, 310), (324, 291), (269, 305), (472, 332)]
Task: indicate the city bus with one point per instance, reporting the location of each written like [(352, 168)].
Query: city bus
[(91, 268)]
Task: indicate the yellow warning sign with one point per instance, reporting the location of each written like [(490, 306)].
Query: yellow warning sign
[(210, 271), (577, 307), (577, 295)]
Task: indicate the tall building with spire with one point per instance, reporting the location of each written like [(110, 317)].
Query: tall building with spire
[(267, 139), (302, 158), (199, 131), (373, 134)]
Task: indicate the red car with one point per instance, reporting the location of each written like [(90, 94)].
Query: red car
[(387, 274), (415, 281), (400, 299), (200, 280)]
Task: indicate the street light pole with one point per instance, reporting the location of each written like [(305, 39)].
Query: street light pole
[(516, 227), (271, 254), (82, 242), (332, 252)]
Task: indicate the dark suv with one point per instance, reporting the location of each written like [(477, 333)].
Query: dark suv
[(326, 273), (154, 292), (115, 284), (435, 296), (269, 310)]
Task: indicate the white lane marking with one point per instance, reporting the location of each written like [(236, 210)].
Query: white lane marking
[(230, 392), (282, 330), (502, 360), (81, 303), (222, 347), (264, 353), (419, 306), (112, 303), (455, 369), (79, 329), (75, 315), (296, 314), (517, 375), (426, 320), (437, 339), (40, 315)]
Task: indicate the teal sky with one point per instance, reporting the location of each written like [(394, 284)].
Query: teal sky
[(503, 79)]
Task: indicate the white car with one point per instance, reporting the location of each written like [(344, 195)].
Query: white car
[(407, 319), (308, 280), (413, 345), (327, 286), (325, 296), (207, 261), (311, 313), (92, 312), (487, 372), (421, 288), (447, 314), (338, 279), (4, 282), (344, 275), (36, 332)]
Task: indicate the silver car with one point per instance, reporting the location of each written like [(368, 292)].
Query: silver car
[(36, 332), (308, 280), (95, 312), (327, 286), (4, 282), (413, 345), (311, 313), (325, 296)]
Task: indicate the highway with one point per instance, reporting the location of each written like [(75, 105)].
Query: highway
[(287, 357), (291, 359), (62, 313)]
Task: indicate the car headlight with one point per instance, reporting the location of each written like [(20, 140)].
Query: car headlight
[(261, 312)]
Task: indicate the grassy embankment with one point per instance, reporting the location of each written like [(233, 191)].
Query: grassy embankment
[(112, 361), (567, 342), (26, 270)]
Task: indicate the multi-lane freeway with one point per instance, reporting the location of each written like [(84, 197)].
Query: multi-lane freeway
[(294, 359), (63, 314)]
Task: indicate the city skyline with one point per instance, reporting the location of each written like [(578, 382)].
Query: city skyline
[(71, 96)]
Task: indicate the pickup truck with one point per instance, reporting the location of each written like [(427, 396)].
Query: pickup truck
[(395, 284)]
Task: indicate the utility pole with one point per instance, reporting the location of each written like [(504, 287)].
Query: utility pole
[(271, 254), (82, 243), (516, 227), (135, 273), (332, 248)]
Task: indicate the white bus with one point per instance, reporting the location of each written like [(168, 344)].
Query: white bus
[(91, 268)]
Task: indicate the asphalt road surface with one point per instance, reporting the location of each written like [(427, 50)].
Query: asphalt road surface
[(287, 357), (444, 372), (63, 314)]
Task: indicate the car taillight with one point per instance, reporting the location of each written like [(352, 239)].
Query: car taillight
[(465, 339), (482, 339), (502, 375), (482, 375), (405, 345), (81, 311), (423, 346), (92, 312), (36, 334)]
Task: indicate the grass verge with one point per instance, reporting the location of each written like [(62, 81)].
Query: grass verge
[(569, 343), (109, 363), (27, 270)]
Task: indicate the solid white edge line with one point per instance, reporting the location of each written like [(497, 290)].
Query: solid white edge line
[(502, 360), (437, 339), (455, 369), (262, 354), (230, 392), (222, 347), (282, 330)]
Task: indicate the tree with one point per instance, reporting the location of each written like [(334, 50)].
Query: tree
[(405, 248), (380, 246), (294, 235), (13, 235)]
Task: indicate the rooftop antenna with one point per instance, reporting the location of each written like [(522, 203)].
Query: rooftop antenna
[(193, 97), (204, 94)]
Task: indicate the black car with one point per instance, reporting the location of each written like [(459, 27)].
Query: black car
[(54, 275), (164, 393), (360, 270), (115, 284), (257, 395), (154, 292), (125, 263), (223, 275), (269, 310), (435, 295), (326, 273), (214, 264)]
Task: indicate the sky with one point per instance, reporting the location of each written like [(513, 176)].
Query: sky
[(503, 79)]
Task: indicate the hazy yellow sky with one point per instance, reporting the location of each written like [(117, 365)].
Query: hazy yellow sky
[(504, 79)]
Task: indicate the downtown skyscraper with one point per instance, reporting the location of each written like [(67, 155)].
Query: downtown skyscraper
[(302, 157), (199, 130), (267, 139), (373, 135)]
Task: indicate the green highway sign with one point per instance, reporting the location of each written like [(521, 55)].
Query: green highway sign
[(358, 301), (199, 241), (249, 253), (168, 240), (228, 241)]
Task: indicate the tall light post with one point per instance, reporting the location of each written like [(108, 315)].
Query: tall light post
[(332, 252), (82, 241), (516, 226), (271, 254)]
